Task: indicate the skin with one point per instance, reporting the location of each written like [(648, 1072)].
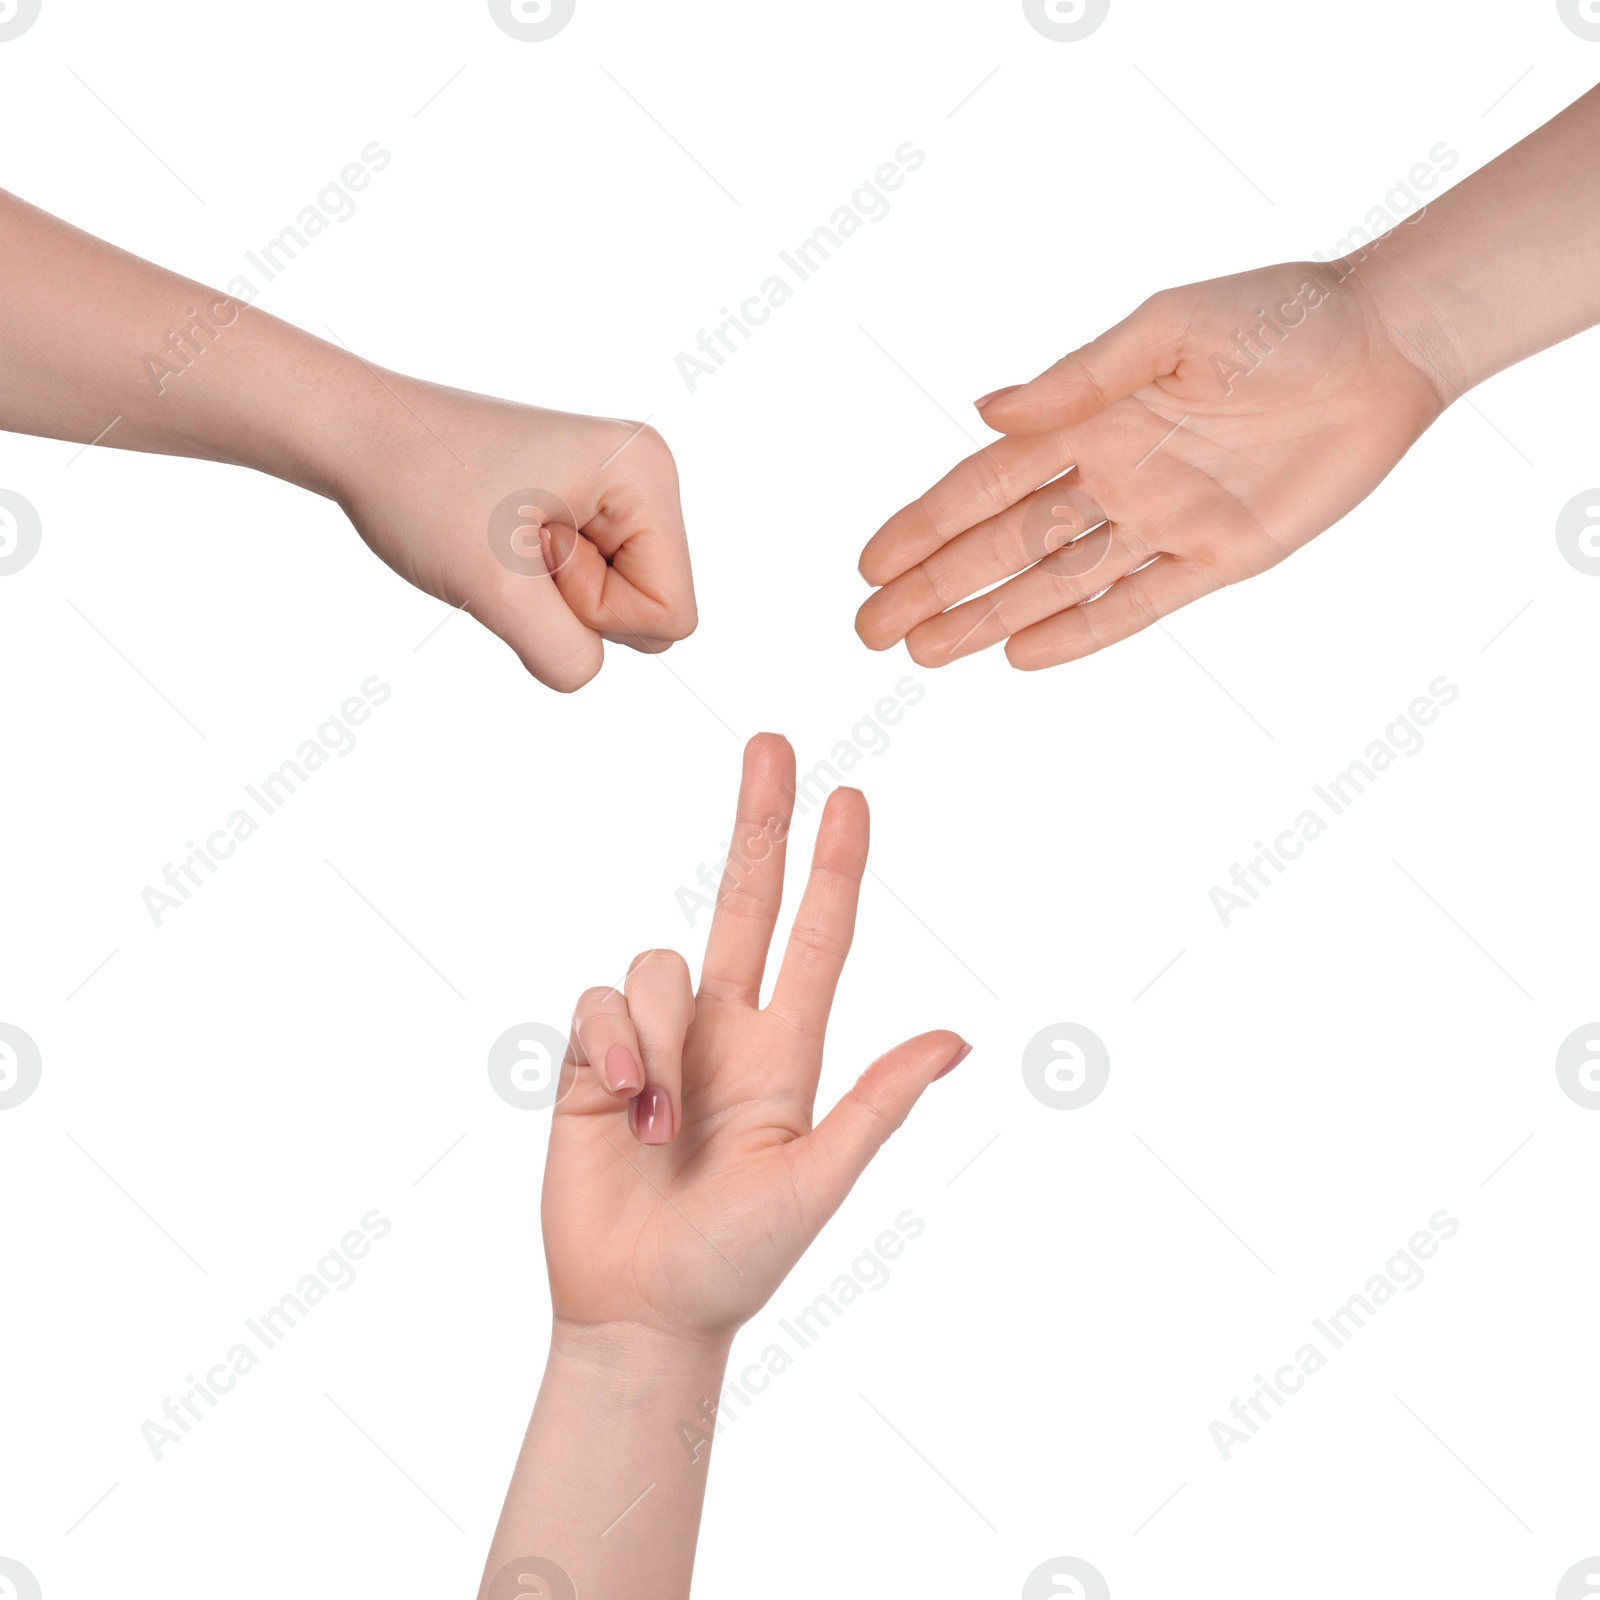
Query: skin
[(86, 340), (662, 1240), (1196, 443)]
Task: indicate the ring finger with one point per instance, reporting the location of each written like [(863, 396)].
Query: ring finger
[(608, 1040), (661, 1004)]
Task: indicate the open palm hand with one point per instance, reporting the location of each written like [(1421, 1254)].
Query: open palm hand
[(1198, 442)]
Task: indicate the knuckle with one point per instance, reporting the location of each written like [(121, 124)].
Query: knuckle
[(1006, 538), (1159, 306), (941, 580), (666, 964), (737, 899), (864, 1101), (937, 509), (817, 945), (650, 438), (1135, 549), (1085, 387), (1098, 624), (648, 448), (797, 1020), (989, 481), (677, 623)]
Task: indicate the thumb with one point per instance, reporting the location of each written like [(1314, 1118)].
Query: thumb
[(1138, 350), (837, 1150)]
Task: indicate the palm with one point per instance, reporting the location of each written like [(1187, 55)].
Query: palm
[(1228, 442), (1238, 465), (698, 1232)]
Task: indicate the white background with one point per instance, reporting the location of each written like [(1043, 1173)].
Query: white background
[(1289, 1100)]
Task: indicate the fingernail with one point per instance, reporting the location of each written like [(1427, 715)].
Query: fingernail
[(650, 1115), (995, 395), (622, 1071), (547, 552), (955, 1061)]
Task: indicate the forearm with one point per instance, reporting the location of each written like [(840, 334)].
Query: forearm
[(1505, 264), (610, 1480), (96, 344)]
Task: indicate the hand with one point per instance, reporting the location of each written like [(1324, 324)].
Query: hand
[(684, 1181), (1202, 443), (595, 551), (686, 1224)]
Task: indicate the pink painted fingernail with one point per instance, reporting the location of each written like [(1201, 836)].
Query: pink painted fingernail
[(955, 1061), (650, 1115), (622, 1071), (995, 394)]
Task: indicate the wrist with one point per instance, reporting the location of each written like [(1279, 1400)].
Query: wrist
[(272, 398), (632, 1358), (637, 1388), (612, 1474), (1418, 308)]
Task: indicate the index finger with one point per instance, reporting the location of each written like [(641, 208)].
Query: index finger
[(996, 477), (752, 880)]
